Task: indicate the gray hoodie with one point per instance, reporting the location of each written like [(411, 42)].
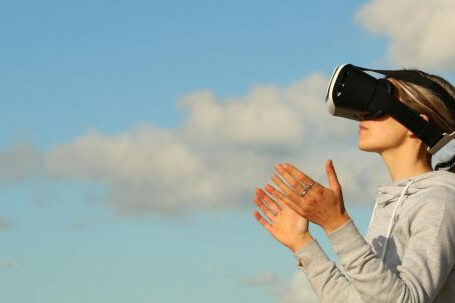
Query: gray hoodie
[(408, 254)]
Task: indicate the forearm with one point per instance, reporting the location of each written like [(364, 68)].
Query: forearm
[(369, 275), (326, 279)]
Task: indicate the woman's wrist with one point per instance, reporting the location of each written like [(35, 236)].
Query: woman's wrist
[(336, 222), (307, 238)]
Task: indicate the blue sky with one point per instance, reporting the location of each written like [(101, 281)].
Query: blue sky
[(117, 185), (104, 65)]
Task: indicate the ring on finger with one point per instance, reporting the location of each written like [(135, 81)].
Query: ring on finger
[(305, 188)]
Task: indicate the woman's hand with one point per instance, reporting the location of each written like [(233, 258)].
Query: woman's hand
[(321, 205), (286, 225)]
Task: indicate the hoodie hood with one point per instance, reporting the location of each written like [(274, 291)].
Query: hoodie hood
[(391, 192), (401, 189)]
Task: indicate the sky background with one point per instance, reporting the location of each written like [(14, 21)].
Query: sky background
[(134, 134)]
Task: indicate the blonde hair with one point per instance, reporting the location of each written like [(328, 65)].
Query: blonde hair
[(425, 101)]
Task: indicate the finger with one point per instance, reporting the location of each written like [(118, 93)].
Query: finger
[(299, 175), (264, 208), (275, 207), (332, 176), (290, 179), (263, 221), (280, 197), (285, 188), (296, 173)]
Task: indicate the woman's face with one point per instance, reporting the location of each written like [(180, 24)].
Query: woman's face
[(380, 134)]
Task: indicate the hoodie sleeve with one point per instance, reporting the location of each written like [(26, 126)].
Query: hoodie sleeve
[(425, 265), (326, 279)]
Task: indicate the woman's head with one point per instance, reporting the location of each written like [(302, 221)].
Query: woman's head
[(385, 133)]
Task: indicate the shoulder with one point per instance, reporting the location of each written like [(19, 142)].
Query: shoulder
[(437, 197), (433, 206), (439, 193), (438, 190)]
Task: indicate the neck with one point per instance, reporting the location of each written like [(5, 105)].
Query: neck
[(404, 162)]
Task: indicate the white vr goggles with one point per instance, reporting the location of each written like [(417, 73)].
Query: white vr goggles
[(354, 94)]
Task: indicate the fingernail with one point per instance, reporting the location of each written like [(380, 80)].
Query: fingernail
[(269, 187), (279, 167), (258, 191), (274, 178)]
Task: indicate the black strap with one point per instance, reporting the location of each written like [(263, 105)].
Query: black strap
[(418, 79), (427, 131)]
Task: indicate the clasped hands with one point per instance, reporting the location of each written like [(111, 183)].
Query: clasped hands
[(289, 213)]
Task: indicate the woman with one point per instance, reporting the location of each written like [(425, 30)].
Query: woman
[(408, 254)]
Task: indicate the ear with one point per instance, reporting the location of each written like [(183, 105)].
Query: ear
[(425, 117)]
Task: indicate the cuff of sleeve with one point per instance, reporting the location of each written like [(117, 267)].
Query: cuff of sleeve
[(311, 257), (346, 238)]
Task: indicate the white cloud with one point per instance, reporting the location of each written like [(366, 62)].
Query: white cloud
[(267, 116), (419, 31), (296, 290), (225, 148)]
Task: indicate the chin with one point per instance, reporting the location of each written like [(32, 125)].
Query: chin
[(364, 146)]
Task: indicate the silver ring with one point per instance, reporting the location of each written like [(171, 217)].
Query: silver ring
[(305, 189)]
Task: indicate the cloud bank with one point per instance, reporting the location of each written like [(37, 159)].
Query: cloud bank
[(228, 146), (225, 148), (419, 32)]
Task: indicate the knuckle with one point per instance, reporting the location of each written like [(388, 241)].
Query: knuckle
[(294, 183)]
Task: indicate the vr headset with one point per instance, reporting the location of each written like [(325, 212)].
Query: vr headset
[(354, 94)]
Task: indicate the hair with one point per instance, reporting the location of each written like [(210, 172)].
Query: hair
[(425, 101)]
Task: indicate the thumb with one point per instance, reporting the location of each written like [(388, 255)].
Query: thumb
[(332, 177)]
